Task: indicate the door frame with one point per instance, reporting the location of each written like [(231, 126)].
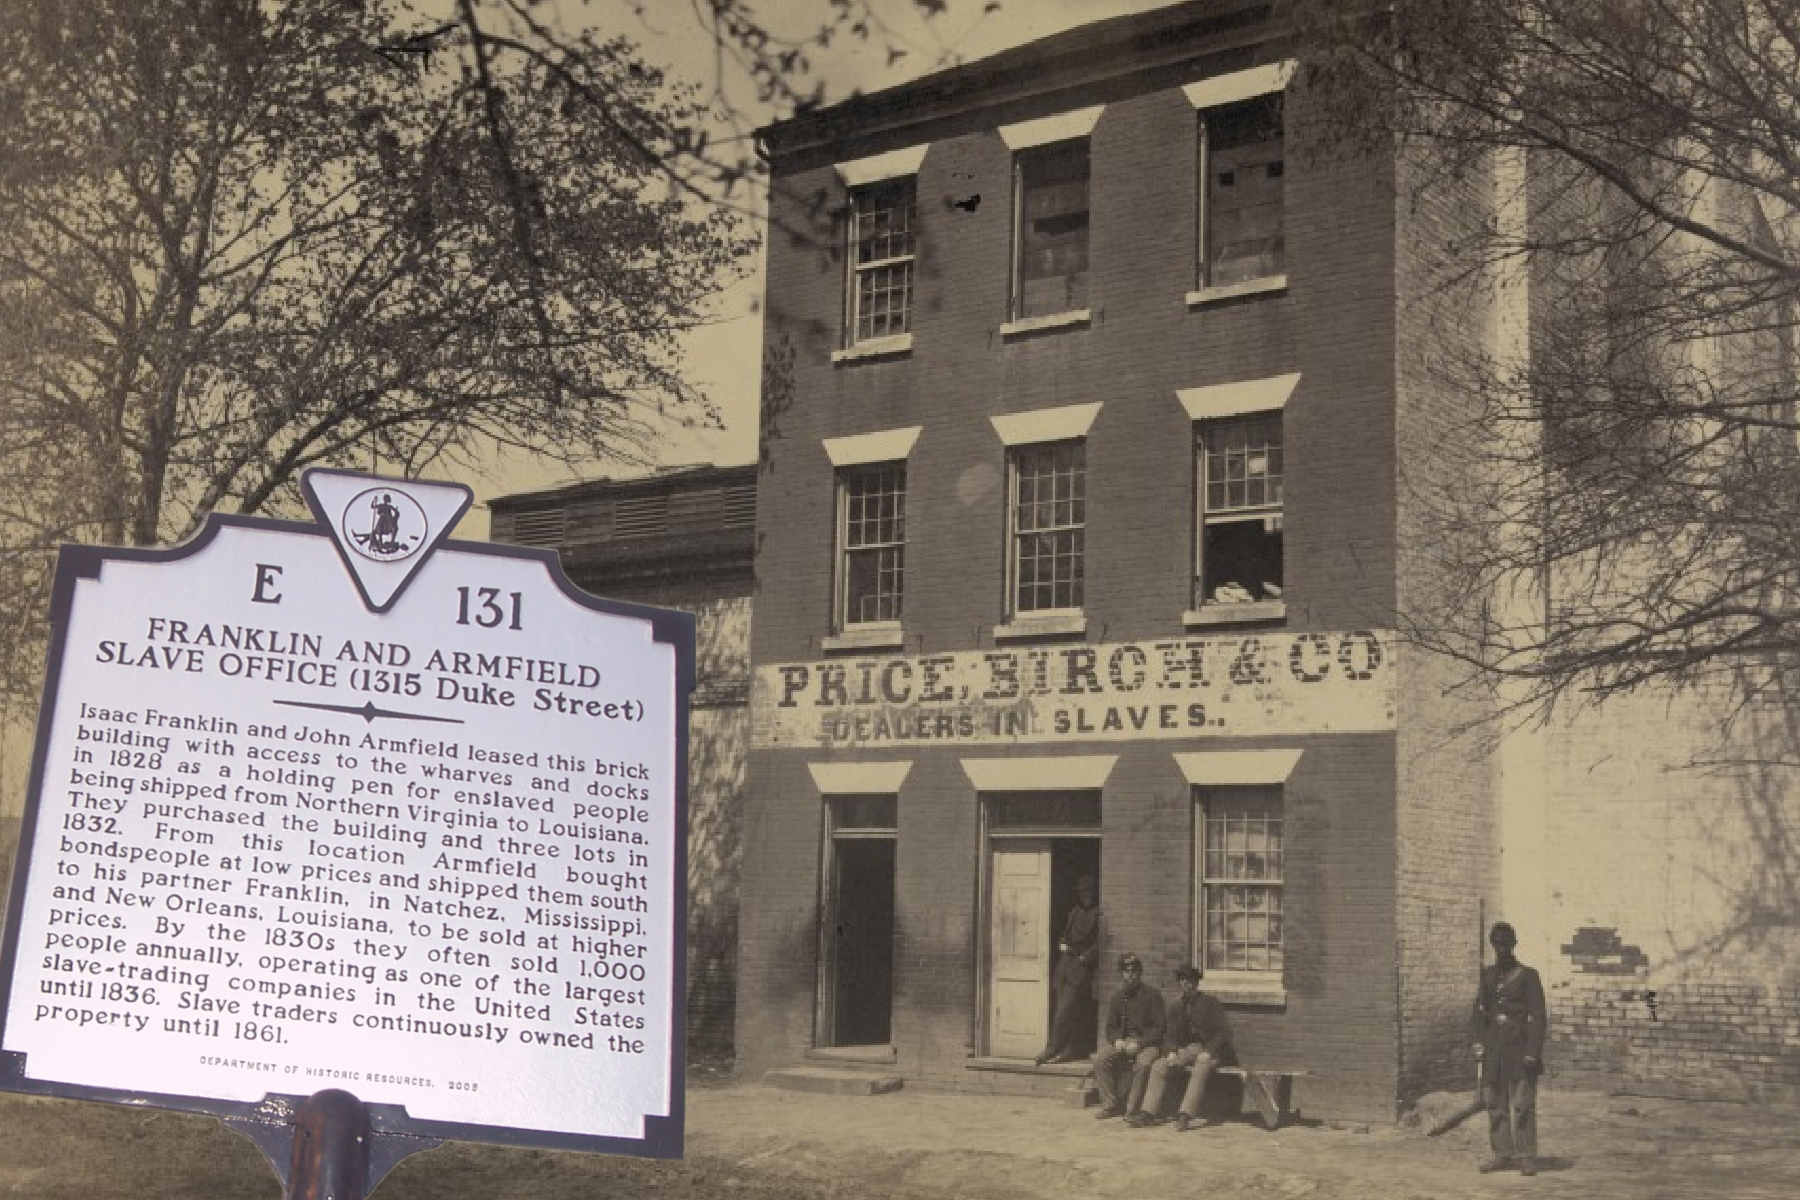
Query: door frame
[(979, 1018), (825, 981)]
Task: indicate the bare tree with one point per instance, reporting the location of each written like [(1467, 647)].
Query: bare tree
[(1629, 499), (241, 237)]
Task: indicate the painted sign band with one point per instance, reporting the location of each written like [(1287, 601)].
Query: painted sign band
[(1265, 685)]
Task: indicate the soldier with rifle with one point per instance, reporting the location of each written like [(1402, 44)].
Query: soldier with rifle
[(1509, 1029)]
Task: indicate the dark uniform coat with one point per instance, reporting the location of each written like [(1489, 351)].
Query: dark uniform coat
[(1200, 1019), (1509, 1026), (1135, 1013), (1072, 986)]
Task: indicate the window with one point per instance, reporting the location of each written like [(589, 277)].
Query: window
[(1240, 857), (1241, 168), (1049, 525), (883, 244), (1238, 468), (1050, 223), (872, 542)]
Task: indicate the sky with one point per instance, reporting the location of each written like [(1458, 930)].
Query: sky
[(723, 358)]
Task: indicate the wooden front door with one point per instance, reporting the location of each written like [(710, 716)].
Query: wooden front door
[(1019, 947)]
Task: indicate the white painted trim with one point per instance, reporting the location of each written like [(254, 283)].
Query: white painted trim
[(886, 445), (1040, 624), (1235, 291), (859, 778), (1236, 399), (1237, 768), (1075, 316), (1044, 773), (896, 343), (1046, 424), (1078, 123), (1235, 614), (1240, 85), (859, 172), (1245, 987), (874, 635)]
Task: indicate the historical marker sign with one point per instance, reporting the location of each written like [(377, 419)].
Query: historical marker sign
[(348, 805)]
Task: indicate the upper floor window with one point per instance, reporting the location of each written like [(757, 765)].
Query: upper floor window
[(1242, 165), (1238, 472), (871, 543), (1048, 532), (883, 247), (1050, 229)]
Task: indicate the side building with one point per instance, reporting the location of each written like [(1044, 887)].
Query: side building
[(683, 538), (1089, 391)]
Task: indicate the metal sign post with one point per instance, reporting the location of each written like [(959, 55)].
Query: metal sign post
[(358, 838)]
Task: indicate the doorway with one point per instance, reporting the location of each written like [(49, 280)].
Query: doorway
[(1038, 845), (857, 957)]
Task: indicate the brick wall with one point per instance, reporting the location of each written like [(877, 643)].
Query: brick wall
[(1725, 1040), (1334, 325), (1338, 1017), (1672, 846), (1448, 842)]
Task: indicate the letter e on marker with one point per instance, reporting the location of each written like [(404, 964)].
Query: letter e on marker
[(265, 579)]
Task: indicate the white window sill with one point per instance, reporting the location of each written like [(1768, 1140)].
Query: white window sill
[(883, 635), (1235, 614), (882, 347), (1246, 988), (1061, 320), (1232, 291), (1048, 625)]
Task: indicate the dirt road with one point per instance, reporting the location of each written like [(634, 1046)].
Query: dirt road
[(752, 1143)]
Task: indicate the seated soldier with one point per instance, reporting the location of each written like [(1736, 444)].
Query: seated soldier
[(1134, 1030), (1199, 1039)]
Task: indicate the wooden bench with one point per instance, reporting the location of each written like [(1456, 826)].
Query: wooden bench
[(1272, 1091)]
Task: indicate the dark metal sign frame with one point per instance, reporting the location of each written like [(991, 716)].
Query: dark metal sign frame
[(272, 1120)]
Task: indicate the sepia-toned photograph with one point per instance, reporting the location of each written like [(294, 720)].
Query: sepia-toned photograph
[(899, 599)]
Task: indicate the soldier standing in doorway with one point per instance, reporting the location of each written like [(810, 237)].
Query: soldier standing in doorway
[(1072, 987), (1509, 1031)]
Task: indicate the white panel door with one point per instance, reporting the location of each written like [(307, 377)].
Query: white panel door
[(1019, 941)]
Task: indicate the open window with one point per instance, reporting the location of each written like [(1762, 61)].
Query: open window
[(1238, 526)]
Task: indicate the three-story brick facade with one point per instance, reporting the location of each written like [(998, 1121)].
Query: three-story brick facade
[(1089, 389)]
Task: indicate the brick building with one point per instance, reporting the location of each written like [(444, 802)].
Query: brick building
[(682, 538), (1087, 403)]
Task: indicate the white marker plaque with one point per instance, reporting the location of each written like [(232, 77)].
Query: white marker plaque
[(348, 805)]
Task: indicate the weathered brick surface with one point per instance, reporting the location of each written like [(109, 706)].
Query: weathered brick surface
[(1448, 831), (1729, 1040), (1673, 919), (1335, 326), (1339, 896)]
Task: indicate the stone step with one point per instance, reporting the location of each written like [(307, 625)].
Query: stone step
[(839, 1081)]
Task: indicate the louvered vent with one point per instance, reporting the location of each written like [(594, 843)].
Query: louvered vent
[(738, 507), (541, 528), (640, 516), (590, 521)]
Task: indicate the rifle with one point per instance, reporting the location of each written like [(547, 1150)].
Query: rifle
[(1476, 1105)]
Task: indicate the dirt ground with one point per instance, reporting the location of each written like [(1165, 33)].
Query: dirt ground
[(747, 1142)]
